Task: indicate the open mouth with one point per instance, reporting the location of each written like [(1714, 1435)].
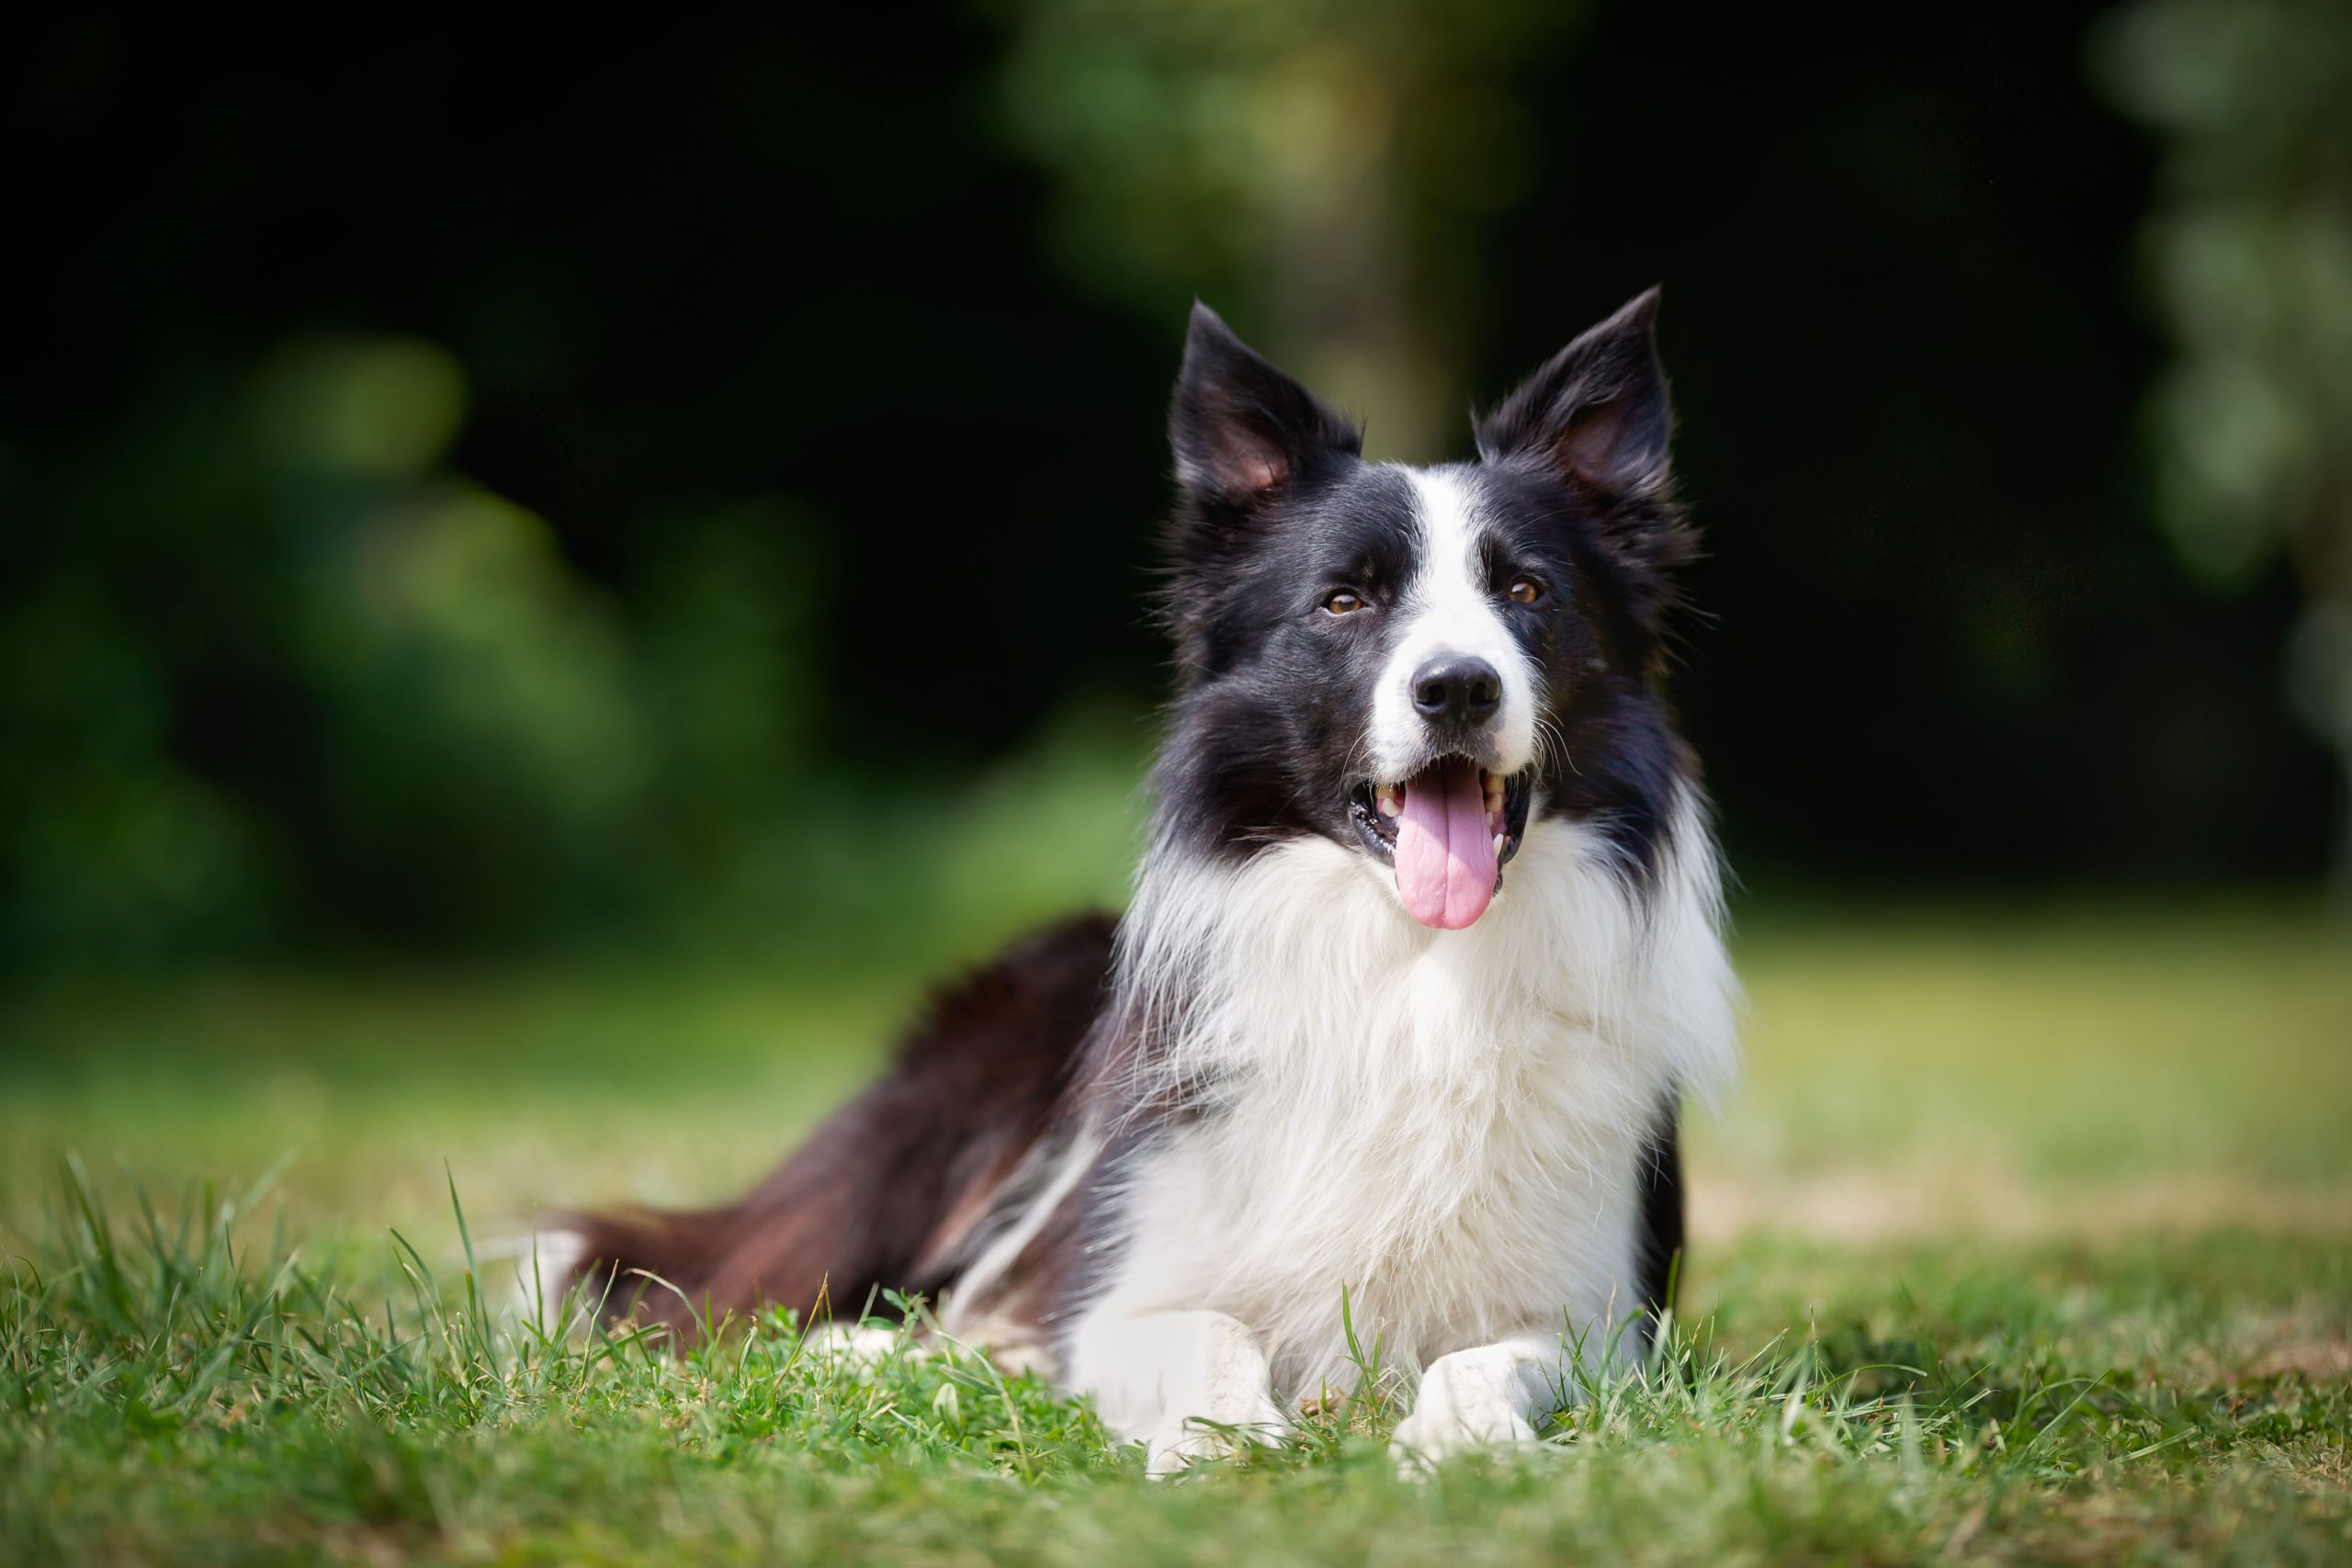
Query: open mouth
[(1448, 829)]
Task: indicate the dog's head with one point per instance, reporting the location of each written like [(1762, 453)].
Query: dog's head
[(1411, 661)]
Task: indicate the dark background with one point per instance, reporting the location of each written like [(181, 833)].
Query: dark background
[(786, 443)]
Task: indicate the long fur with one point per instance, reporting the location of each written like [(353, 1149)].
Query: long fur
[(889, 1192), (1180, 1162), (1452, 1128)]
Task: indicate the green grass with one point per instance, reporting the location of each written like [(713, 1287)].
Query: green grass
[(2029, 1238)]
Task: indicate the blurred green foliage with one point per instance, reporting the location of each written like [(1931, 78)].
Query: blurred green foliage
[(472, 740), (707, 499), (2250, 244), (1329, 169)]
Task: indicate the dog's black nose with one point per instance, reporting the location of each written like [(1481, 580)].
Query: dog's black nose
[(1453, 689)]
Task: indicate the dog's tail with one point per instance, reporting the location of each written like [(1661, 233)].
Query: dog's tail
[(880, 1197)]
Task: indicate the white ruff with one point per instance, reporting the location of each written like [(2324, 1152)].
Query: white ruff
[(1447, 1123)]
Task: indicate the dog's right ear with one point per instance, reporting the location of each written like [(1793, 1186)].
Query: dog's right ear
[(1597, 412), (1243, 431)]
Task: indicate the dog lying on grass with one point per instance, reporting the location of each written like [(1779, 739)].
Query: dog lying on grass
[(1423, 954)]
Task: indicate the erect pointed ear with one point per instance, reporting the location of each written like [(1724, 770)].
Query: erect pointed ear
[(1597, 412), (1242, 429)]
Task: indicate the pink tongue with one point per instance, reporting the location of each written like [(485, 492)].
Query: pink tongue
[(1445, 854)]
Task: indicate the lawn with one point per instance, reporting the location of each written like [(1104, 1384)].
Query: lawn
[(2027, 1237)]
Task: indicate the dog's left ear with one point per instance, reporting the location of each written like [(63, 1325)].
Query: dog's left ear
[(1244, 432), (1597, 413)]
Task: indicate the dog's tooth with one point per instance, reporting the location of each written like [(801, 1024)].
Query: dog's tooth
[(1389, 805), (1499, 845)]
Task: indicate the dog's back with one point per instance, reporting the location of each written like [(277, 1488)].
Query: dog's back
[(887, 1194)]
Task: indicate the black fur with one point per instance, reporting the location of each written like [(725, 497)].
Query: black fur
[(1576, 487), (1277, 512), (1662, 1206)]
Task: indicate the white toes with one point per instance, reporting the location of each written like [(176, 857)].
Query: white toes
[(863, 1344), (1179, 1443), (1174, 1449), (1192, 1384), (1426, 1439), (1471, 1399), (537, 1293)]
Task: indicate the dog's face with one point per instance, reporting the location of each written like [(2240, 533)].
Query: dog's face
[(1411, 661)]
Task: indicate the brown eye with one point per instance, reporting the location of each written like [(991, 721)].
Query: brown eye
[(1344, 602), (1525, 590)]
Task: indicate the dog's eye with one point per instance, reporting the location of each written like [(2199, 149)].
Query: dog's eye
[(1346, 602), (1525, 590)]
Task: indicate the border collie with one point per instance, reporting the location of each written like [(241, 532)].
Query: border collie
[(1423, 953)]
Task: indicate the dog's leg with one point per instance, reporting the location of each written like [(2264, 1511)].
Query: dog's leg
[(1476, 1398), (1173, 1377)]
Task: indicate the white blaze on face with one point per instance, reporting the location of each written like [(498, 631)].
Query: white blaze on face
[(1449, 608)]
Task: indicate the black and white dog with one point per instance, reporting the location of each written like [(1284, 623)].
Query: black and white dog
[(1423, 953)]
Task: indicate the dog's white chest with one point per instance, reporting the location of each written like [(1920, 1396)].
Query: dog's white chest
[(1421, 1213), (1441, 1130)]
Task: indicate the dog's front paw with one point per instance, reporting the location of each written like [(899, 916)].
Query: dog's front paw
[(1426, 1439), (1178, 1442), (1469, 1400)]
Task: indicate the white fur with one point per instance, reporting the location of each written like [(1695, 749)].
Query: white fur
[(967, 1313), (1447, 1125), (861, 1347), (997, 1251), (1449, 608), (1486, 1396), (544, 1262), (1175, 1378)]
